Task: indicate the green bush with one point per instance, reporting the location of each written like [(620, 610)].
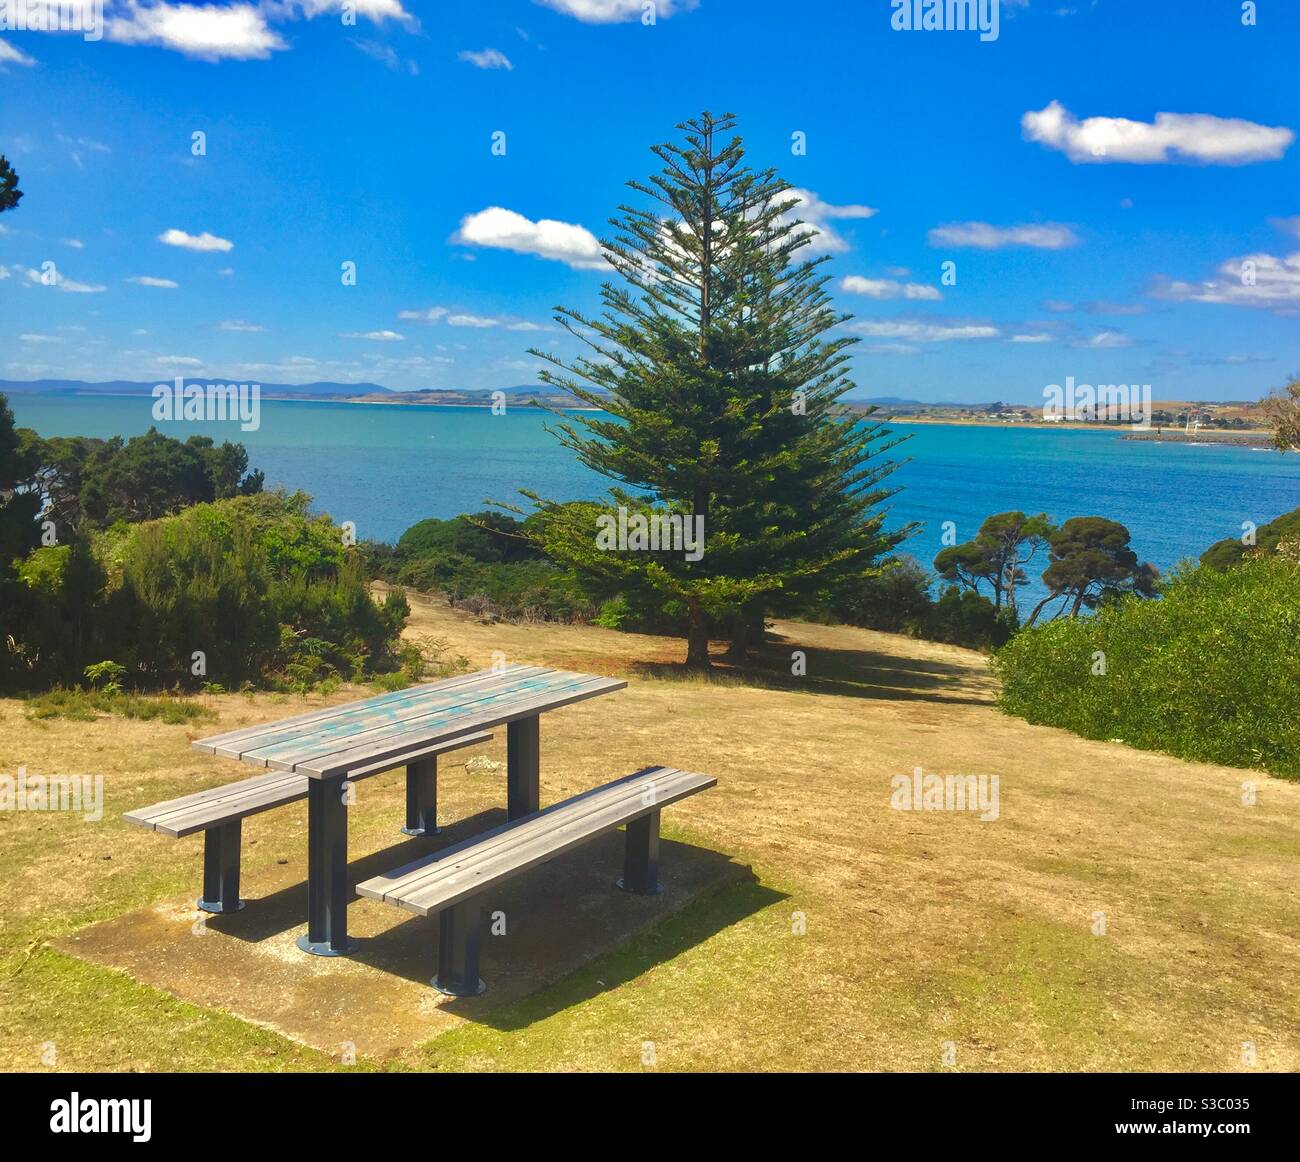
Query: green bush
[(80, 705), (263, 589), (1227, 553), (1210, 672)]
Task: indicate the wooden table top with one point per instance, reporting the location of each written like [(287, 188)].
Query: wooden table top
[(333, 741)]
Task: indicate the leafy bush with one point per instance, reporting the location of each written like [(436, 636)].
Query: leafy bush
[(962, 617), (1208, 673), (1227, 553), (264, 590), (891, 601)]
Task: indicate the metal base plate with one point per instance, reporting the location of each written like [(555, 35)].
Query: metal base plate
[(658, 890), (418, 831), (214, 906), (446, 992), (324, 948)]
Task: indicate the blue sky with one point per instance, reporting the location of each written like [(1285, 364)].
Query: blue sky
[(1098, 174)]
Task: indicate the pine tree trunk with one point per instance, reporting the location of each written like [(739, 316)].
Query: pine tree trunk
[(697, 639)]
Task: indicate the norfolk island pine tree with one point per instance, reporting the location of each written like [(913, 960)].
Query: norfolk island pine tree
[(714, 360)]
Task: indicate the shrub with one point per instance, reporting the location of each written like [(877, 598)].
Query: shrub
[(1227, 553), (1208, 673)]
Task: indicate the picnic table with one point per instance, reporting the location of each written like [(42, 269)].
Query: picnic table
[(329, 745)]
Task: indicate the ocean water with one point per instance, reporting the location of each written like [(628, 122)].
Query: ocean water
[(385, 467)]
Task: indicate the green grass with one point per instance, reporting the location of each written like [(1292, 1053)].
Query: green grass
[(80, 705)]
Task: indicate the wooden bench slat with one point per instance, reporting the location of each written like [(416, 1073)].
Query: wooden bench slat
[(210, 743), (447, 724), (204, 809), (368, 715), (448, 877), (424, 715)]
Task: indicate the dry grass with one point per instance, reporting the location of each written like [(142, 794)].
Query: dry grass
[(922, 929)]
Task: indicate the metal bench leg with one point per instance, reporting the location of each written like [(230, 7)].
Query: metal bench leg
[(641, 857), (422, 797), (458, 948), (327, 870), (221, 869), (522, 759)]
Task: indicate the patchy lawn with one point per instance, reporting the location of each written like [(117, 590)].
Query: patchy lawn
[(872, 939)]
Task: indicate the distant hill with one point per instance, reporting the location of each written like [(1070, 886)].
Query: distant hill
[(320, 390)]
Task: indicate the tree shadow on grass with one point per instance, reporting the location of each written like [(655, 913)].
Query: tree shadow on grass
[(853, 673)]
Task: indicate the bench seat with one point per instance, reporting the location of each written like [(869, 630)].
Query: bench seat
[(449, 882), (219, 811)]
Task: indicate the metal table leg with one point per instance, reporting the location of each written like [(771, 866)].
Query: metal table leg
[(523, 795), (422, 797), (641, 857), (327, 870)]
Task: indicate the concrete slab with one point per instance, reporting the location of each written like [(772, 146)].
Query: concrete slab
[(378, 1001)]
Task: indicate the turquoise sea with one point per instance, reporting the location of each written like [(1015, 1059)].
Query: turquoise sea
[(386, 467)]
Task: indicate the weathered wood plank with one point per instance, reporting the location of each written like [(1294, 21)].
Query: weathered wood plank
[(351, 726), (439, 881), (217, 805), (352, 716), (327, 765)]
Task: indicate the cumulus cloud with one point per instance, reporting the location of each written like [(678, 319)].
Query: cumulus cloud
[(817, 216), (615, 11), (201, 242), (983, 236), (888, 288), (489, 58), (149, 280), (210, 33), (924, 331), (1172, 137), (239, 31), (1264, 281), (501, 229)]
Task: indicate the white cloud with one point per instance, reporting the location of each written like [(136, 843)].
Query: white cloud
[(431, 315), (239, 325), (377, 11), (1105, 341), (922, 331), (489, 58), (179, 360), (1258, 280), (615, 11), (75, 243), (40, 338), (818, 215), (11, 54), (375, 336), (210, 33), (1035, 337), (1171, 137), (202, 242), (888, 288), (149, 280), (503, 229), (983, 236), (67, 285), (464, 319), (387, 56), (887, 349)]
